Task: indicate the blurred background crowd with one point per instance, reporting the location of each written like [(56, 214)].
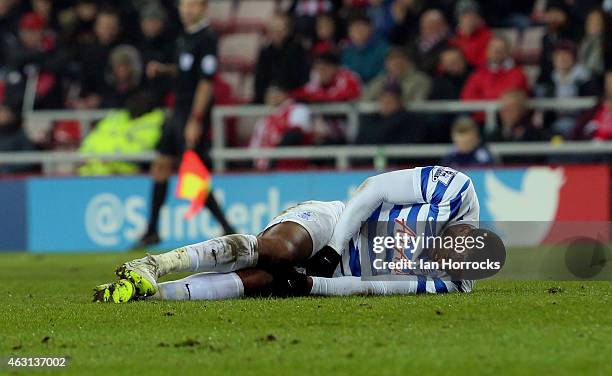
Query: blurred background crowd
[(92, 54)]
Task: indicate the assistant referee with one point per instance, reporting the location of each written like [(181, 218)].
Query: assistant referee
[(189, 127)]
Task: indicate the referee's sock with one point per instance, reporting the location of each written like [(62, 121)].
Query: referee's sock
[(159, 197)]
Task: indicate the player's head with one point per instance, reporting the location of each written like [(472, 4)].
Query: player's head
[(469, 244), (192, 11)]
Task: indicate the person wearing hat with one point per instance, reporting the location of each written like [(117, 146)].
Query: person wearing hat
[(392, 124), (472, 35)]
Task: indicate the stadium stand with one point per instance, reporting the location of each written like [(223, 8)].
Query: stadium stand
[(68, 30)]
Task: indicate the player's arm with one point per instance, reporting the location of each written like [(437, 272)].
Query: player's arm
[(400, 187), (409, 285), (195, 124), (202, 97)]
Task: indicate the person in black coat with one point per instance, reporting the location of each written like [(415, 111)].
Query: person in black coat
[(282, 61), (392, 124)]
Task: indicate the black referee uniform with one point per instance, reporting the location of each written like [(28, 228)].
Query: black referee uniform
[(196, 60)]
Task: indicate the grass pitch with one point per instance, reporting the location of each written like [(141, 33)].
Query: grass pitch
[(501, 328)]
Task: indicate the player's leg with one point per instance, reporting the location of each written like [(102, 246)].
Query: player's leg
[(215, 286), (201, 286), (161, 170), (291, 238)]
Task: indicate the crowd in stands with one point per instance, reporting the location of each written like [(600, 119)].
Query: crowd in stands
[(92, 54)]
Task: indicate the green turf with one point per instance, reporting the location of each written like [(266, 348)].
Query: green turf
[(501, 328)]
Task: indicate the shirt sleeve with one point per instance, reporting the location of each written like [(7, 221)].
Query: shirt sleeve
[(423, 185), (397, 187), (408, 285), (209, 63)]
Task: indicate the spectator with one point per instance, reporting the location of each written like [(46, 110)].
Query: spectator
[(43, 8), (94, 58), (392, 124), (432, 40), (447, 85), (568, 80), (34, 47), (12, 136), (516, 120), (558, 28), (591, 50), (399, 69), (365, 53), (77, 23), (133, 130), (124, 76), (500, 74), (453, 73), (282, 60), (329, 82), (504, 13), (473, 35), (10, 13), (468, 148), (404, 20), (154, 45), (287, 125), (304, 14), (597, 123), (326, 35)]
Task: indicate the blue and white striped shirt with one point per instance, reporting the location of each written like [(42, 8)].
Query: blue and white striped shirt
[(420, 201)]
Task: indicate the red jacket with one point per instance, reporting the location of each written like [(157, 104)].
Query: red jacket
[(490, 84), (602, 123), (345, 86), (474, 46)]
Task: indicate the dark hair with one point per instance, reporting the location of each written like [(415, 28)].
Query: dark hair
[(328, 57), (566, 45), (110, 11), (400, 51), (359, 16)]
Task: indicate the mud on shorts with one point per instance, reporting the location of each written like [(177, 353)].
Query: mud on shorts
[(318, 218)]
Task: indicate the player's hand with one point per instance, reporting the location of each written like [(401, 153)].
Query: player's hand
[(154, 69), (193, 132)]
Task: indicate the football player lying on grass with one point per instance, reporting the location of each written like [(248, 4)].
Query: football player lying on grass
[(324, 237)]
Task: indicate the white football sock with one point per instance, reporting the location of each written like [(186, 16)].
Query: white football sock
[(222, 255), (203, 286)]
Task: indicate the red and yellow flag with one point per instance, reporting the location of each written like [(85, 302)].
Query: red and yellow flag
[(194, 182)]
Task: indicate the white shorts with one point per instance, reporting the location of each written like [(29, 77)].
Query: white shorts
[(318, 218)]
